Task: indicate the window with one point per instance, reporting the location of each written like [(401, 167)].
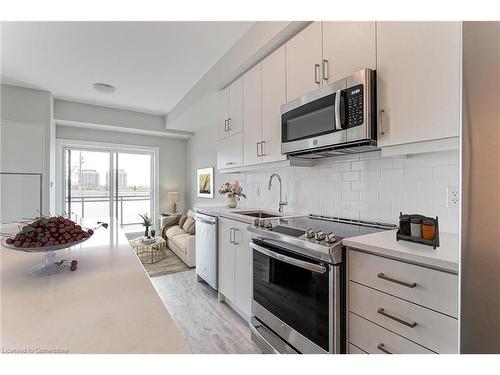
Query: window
[(100, 183)]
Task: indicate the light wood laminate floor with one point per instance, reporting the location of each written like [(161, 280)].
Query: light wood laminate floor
[(209, 326)]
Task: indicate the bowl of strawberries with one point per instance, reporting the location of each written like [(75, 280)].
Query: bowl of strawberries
[(47, 234)]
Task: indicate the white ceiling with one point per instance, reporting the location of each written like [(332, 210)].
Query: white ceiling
[(151, 64)]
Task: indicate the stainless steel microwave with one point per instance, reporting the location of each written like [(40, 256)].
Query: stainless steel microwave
[(334, 120)]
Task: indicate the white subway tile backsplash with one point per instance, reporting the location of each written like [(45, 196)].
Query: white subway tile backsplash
[(418, 173), (350, 195), (342, 166), (392, 174), (365, 186), (362, 165), (382, 163), (350, 176), (360, 185)]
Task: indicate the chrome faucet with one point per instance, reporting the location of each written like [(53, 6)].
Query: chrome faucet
[(282, 202)]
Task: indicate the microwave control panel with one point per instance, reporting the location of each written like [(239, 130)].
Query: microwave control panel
[(355, 110)]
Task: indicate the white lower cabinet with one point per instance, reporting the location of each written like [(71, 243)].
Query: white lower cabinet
[(397, 307), (373, 339), (235, 265)]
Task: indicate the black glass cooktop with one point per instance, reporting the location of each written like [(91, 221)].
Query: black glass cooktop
[(296, 226)]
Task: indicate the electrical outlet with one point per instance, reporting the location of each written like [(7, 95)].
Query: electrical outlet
[(453, 197)]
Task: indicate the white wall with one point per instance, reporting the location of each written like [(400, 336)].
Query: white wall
[(172, 161), (32, 108), (201, 152)]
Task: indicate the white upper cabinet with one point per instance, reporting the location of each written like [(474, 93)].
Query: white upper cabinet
[(347, 48), (252, 116), (235, 119), (273, 96), (303, 61), (223, 114), (418, 83), (231, 110), (230, 152)]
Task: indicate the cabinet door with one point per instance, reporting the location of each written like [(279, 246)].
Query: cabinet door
[(226, 259), (235, 124), (418, 83), (230, 152), (252, 116), (347, 48), (303, 61), (223, 114), (273, 96), (22, 147), (243, 269)]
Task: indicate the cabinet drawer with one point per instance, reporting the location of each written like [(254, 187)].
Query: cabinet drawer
[(427, 287), (431, 329), (354, 350), (374, 339)]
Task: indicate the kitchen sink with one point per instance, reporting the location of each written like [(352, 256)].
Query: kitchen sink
[(259, 214)]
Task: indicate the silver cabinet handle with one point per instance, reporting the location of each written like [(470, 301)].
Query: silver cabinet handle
[(258, 143), (230, 163), (295, 262), (262, 152), (231, 234), (381, 129), (396, 281), (316, 74), (324, 66), (382, 311), (229, 124), (234, 236), (382, 348), (338, 124), (225, 125)]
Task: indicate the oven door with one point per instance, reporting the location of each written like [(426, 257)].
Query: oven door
[(315, 120), (294, 297)]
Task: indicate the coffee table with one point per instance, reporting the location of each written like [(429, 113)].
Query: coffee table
[(150, 252)]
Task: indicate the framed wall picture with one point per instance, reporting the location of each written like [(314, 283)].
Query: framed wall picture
[(205, 183)]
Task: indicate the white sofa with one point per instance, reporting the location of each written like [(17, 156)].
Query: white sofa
[(182, 243)]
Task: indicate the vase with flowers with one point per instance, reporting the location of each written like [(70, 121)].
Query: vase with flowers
[(233, 191)]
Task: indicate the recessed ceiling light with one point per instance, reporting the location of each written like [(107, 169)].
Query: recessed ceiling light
[(104, 88)]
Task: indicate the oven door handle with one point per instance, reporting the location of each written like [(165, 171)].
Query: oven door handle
[(295, 262)]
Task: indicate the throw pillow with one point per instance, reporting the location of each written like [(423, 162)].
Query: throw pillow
[(188, 223), (192, 230), (182, 220)]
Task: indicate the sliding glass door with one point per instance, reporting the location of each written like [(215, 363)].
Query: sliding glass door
[(100, 183)]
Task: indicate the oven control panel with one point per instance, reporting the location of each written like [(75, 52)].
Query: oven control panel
[(355, 106)]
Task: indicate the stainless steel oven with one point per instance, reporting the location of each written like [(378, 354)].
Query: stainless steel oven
[(297, 300), (336, 119)]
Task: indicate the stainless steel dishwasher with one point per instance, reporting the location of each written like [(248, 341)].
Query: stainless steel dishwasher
[(206, 249)]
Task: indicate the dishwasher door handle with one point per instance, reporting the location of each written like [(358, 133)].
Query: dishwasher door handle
[(205, 221)]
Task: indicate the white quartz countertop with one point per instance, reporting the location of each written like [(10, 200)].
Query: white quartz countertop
[(108, 305), (233, 213), (444, 257)]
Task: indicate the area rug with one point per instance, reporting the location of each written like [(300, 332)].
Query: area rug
[(171, 264)]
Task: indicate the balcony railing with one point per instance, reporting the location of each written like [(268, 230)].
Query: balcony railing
[(129, 207)]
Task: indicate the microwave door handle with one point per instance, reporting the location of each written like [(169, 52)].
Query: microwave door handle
[(338, 125), (295, 262)]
